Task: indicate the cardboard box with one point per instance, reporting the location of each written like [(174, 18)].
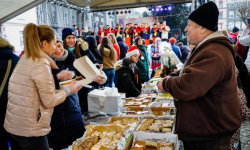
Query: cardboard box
[(85, 66), (144, 136), (98, 101)]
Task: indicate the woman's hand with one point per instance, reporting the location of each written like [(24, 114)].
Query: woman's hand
[(65, 75), (101, 66), (101, 79), (73, 88)]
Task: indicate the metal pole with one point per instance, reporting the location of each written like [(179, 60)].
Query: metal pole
[(195, 4)]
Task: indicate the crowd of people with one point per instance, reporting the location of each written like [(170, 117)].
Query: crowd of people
[(209, 90)]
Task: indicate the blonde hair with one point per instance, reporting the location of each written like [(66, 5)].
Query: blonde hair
[(225, 32), (113, 38), (33, 37)]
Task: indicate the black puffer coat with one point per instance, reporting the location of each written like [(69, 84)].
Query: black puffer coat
[(127, 81)]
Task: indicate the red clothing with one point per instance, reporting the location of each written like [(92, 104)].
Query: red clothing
[(116, 47), (21, 54), (128, 41), (101, 33), (110, 31), (241, 49), (233, 36), (136, 32), (117, 33)]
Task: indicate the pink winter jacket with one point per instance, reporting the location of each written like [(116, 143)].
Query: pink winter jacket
[(32, 97)]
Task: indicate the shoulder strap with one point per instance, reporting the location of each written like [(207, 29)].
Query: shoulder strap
[(5, 76)]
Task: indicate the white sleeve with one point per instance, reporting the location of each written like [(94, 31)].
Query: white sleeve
[(167, 28), (245, 38)]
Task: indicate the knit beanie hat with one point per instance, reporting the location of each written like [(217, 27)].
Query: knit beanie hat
[(137, 39), (235, 29), (58, 38), (68, 31), (206, 15), (172, 40), (134, 50)]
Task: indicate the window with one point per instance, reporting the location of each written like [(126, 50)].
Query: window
[(237, 23), (21, 37), (238, 4), (221, 15), (220, 5), (231, 24), (231, 14), (231, 5), (66, 19), (244, 4), (54, 17)]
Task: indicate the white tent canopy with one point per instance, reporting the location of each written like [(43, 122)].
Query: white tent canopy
[(12, 8)]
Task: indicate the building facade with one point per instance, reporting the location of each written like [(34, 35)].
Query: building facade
[(12, 30)]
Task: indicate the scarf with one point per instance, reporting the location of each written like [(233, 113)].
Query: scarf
[(71, 49), (62, 58)]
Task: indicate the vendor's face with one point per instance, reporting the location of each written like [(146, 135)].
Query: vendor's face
[(140, 42), (142, 25), (193, 32), (136, 26), (134, 58), (58, 51), (71, 40)]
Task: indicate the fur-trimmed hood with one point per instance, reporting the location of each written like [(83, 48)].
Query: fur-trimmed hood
[(5, 44), (84, 45), (118, 65)]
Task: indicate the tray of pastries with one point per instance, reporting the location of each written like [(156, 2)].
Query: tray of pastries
[(103, 137), (156, 125), (137, 102), (152, 145)]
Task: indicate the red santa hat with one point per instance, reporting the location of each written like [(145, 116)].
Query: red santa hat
[(134, 50)]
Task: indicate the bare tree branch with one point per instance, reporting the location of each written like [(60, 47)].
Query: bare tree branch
[(242, 11)]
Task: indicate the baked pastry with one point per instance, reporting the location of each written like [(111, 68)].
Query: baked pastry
[(166, 148), (86, 144), (96, 147), (167, 125), (169, 121), (138, 145), (166, 130), (150, 145), (93, 140), (143, 127), (84, 148), (154, 128), (165, 145)]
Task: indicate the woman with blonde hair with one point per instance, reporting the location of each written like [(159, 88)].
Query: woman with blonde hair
[(32, 94), (112, 38), (109, 58)]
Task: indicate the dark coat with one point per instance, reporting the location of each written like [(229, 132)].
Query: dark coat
[(176, 50), (66, 121), (5, 54), (123, 47), (143, 64), (208, 104), (93, 48), (127, 81), (184, 53)]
